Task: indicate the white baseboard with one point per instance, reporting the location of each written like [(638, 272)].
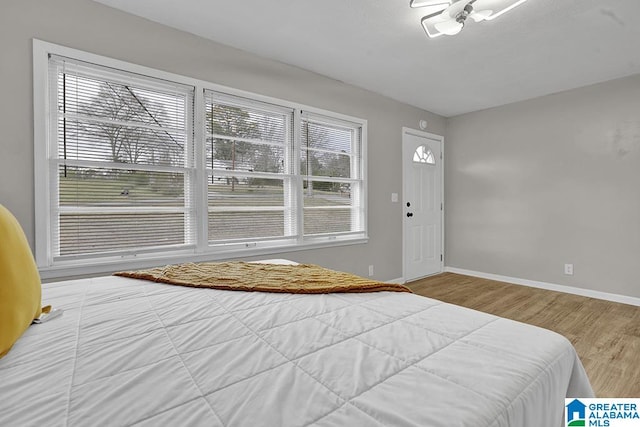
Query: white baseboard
[(398, 281), (549, 286)]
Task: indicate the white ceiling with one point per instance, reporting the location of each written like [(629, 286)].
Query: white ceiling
[(541, 47)]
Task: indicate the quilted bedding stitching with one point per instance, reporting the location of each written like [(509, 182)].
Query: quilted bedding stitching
[(411, 364), (195, 383), (229, 304), (75, 359), (544, 371)]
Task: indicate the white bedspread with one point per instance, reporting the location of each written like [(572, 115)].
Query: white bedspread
[(131, 352)]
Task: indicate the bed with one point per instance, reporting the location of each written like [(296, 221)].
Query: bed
[(134, 352)]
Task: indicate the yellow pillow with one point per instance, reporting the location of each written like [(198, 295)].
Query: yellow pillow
[(20, 288)]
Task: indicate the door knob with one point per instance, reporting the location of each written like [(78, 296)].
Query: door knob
[(409, 214)]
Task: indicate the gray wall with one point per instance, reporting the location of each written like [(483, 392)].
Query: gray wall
[(536, 184), (89, 26), (528, 186)]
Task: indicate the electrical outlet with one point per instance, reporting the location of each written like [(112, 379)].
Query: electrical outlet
[(568, 269), (371, 270)]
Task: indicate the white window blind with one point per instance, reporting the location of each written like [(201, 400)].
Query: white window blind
[(134, 165), (331, 164), (249, 170), (120, 159)]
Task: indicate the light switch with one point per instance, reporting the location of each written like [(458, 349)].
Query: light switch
[(394, 197)]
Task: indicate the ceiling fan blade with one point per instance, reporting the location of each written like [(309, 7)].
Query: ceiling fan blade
[(424, 3), (480, 15), (450, 27)]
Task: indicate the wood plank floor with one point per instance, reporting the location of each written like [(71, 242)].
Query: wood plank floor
[(605, 334)]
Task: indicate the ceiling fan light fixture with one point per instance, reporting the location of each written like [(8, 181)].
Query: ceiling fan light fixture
[(451, 18), (430, 29), (450, 28), (481, 15), (424, 3)]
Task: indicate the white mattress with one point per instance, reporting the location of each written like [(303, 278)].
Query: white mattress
[(132, 352)]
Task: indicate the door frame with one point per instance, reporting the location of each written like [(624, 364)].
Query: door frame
[(440, 140)]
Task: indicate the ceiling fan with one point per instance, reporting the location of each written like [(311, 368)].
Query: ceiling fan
[(450, 15)]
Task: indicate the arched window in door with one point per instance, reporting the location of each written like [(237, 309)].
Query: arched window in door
[(423, 154)]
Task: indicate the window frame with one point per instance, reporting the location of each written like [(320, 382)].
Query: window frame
[(356, 168), (286, 175), (202, 250), (81, 71)]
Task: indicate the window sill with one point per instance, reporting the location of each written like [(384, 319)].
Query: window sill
[(68, 270)]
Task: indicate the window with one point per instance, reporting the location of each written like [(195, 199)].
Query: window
[(134, 164), (120, 161), (423, 154), (249, 170), (330, 164)]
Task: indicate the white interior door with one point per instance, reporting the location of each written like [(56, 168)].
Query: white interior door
[(422, 204)]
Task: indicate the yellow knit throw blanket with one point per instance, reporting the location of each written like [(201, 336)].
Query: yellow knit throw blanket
[(242, 276)]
